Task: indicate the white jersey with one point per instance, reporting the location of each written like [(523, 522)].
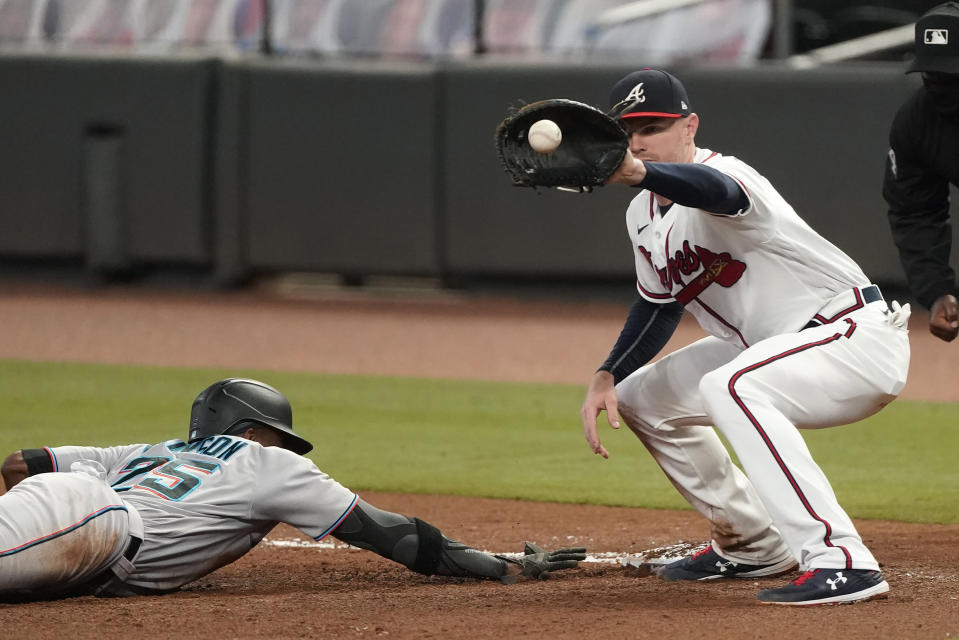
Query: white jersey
[(205, 504), (754, 280), (745, 277)]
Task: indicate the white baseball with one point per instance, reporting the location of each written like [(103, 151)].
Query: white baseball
[(544, 136)]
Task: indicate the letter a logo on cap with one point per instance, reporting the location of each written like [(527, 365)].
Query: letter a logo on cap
[(936, 36), (636, 94)]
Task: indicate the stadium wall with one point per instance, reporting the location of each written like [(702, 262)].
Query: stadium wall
[(247, 166)]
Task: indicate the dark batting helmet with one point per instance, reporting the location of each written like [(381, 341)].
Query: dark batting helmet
[(231, 406)]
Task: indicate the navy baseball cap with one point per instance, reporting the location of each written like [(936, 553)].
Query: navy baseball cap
[(937, 40), (648, 93)]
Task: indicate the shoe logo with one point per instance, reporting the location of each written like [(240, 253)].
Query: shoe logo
[(833, 582), (722, 565)]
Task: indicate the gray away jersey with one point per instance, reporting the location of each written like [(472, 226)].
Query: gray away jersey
[(206, 503)]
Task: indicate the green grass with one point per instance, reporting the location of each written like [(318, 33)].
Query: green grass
[(489, 439)]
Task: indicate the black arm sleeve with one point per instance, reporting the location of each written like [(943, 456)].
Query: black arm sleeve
[(647, 330), (695, 185), (38, 461), (416, 544), (918, 200)]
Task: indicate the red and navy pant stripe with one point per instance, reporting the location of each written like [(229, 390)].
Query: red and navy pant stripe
[(769, 443)]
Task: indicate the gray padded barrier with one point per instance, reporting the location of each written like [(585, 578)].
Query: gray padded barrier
[(104, 159), (337, 168), (362, 167), (820, 136)]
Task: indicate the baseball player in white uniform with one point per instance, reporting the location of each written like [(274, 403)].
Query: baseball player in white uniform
[(798, 338), (147, 519)]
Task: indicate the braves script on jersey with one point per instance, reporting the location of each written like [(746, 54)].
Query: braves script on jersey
[(206, 503), (746, 277)]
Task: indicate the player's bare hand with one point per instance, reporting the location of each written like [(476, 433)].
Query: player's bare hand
[(944, 318), (13, 470), (631, 171), (601, 396)]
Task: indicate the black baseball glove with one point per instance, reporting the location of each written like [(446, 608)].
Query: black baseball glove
[(592, 148)]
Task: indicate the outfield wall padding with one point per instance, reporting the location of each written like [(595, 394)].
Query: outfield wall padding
[(254, 165), (161, 109)]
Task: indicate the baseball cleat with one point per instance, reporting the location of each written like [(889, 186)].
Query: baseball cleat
[(709, 565), (828, 586)]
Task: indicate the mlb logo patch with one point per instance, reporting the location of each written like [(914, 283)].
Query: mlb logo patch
[(936, 36)]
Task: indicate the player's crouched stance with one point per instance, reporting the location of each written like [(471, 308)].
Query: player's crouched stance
[(798, 338), (147, 519)]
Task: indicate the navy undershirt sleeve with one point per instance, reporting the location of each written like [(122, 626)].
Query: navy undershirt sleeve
[(695, 185), (648, 328)]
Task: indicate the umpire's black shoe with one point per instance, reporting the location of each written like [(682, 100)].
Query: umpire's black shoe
[(709, 565), (828, 586)]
